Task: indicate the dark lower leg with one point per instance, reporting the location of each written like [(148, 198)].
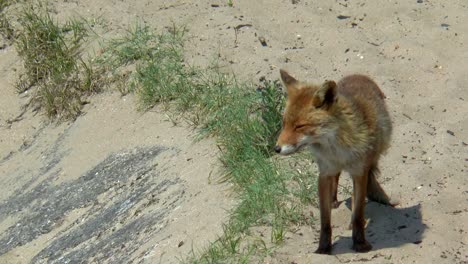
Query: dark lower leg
[(325, 188), (360, 243)]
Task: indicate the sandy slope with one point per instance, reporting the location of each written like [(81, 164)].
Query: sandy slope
[(114, 186), (415, 50)]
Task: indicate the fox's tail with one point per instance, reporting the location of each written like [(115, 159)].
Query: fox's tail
[(375, 191)]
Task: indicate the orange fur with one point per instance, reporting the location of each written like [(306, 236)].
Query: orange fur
[(347, 126)]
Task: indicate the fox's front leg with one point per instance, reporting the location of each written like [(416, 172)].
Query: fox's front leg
[(325, 189), (360, 243)]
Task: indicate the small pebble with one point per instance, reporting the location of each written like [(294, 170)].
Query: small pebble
[(263, 41), (341, 17)]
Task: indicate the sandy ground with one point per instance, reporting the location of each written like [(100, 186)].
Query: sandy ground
[(415, 51)]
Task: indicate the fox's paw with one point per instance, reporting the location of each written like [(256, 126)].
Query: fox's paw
[(362, 246), (324, 250)]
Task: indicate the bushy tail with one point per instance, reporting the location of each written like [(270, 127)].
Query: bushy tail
[(374, 190)]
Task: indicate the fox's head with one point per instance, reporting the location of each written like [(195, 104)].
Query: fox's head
[(307, 118)]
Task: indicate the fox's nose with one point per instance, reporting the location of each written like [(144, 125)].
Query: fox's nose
[(277, 149)]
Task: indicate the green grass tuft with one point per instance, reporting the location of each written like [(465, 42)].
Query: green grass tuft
[(245, 120), (142, 47)]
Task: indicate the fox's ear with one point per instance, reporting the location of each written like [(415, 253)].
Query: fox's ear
[(288, 80), (325, 95)]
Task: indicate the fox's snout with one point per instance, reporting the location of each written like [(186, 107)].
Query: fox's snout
[(290, 142), (285, 149)]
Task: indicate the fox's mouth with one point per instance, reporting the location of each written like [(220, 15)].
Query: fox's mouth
[(285, 149), (290, 149)]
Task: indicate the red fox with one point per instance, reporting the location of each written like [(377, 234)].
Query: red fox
[(347, 127)]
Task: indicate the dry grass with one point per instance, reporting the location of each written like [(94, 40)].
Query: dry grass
[(53, 66)]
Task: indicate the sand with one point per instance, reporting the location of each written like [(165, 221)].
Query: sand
[(161, 204)]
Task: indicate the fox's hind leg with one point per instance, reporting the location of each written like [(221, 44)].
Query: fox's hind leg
[(374, 190), (335, 202), (360, 243)]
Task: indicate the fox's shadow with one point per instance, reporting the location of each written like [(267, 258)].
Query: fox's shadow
[(388, 227)]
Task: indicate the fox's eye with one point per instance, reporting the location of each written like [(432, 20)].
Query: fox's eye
[(301, 126)]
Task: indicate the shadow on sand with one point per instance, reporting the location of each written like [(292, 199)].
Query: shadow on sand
[(388, 227)]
